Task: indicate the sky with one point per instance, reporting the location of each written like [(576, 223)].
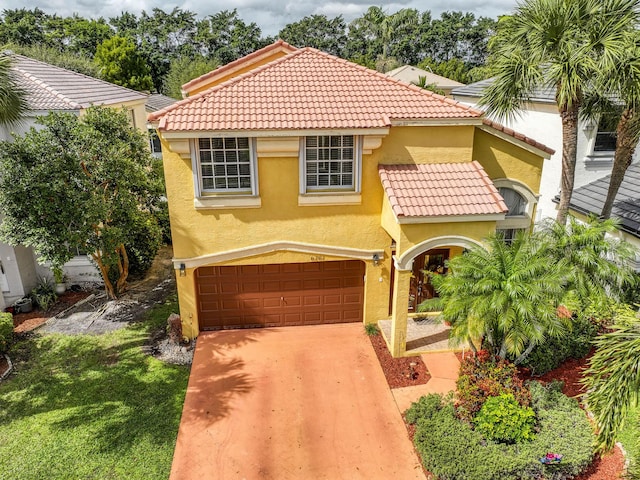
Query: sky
[(269, 15)]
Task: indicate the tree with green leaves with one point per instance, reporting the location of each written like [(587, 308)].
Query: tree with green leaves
[(13, 101), (623, 80), (183, 70), (120, 63), (504, 297), (317, 31), (561, 43), (598, 264), (79, 182)]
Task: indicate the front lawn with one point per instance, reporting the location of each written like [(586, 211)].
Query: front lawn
[(91, 406)]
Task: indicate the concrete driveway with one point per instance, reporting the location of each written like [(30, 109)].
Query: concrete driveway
[(291, 403)]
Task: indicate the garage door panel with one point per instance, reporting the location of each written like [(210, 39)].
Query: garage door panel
[(280, 294)]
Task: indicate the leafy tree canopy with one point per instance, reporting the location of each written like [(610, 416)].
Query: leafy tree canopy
[(78, 182), (120, 63), (318, 31), (185, 69)]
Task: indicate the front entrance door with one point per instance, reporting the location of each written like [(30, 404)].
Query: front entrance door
[(421, 289)]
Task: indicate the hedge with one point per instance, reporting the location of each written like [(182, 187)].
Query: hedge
[(451, 450)]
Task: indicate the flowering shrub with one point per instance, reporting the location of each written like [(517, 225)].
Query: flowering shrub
[(483, 376)]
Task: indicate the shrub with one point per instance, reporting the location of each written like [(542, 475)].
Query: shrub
[(502, 419), (483, 376), (44, 294), (452, 450), (6, 330), (550, 354), (371, 329)]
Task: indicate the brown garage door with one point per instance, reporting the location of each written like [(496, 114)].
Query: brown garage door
[(280, 295)]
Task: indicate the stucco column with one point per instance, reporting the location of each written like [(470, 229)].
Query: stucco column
[(399, 312), (187, 301)]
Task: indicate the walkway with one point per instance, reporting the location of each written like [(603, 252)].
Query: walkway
[(443, 368)]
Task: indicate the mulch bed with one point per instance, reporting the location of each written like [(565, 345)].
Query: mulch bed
[(25, 322), (607, 467), (399, 372)]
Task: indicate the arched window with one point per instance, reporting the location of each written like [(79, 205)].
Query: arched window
[(515, 202)]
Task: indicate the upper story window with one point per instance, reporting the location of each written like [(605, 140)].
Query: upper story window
[(515, 202), (606, 135), (226, 165), (330, 163)]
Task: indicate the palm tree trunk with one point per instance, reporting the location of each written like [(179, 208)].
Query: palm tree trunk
[(626, 142), (569, 117), (524, 354)]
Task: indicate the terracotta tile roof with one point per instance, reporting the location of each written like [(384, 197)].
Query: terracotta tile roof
[(519, 136), (308, 89), (278, 45), (441, 189), (53, 88)]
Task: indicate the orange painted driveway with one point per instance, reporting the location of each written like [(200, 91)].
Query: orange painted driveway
[(290, 403)]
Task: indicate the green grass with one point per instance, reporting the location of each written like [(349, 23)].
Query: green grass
[(93, 407)]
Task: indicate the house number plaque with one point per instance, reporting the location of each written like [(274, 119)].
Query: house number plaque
[(317, 258)]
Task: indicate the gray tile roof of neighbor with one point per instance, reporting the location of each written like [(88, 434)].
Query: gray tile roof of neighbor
[(53, 88), (590, 199), (540, 95), (157, 101)]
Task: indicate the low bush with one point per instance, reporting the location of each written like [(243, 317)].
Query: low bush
[(502, 419), (452, 450), (554, 351), (483, 376), (371, 329), (6, 330), (142, 246), (44, 294)]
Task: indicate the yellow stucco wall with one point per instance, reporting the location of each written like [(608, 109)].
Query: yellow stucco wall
[(502, 159), (367, 226)]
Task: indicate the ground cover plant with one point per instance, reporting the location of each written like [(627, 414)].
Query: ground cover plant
[(86, 406), (451, 449)]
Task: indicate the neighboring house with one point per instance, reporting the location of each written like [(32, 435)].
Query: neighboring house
[(410, 74), (155, 102), (589, 199), (54, 89), (540, 119), (304, 189)]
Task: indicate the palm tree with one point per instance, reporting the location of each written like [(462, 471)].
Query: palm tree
[(562, 44), (12, 97), (505, 295), (624, 82), (597, 263), (613, 379)]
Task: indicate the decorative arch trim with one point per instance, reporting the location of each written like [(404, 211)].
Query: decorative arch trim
[(405, 261), (255, 250), (519, 187)]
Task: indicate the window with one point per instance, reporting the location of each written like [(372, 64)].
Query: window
[(515, 202), (606, 136), (330, 163), (154, 142), (509, 234), (226, 164)]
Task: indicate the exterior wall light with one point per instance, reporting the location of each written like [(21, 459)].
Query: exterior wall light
[(183, 270), (376, 259)]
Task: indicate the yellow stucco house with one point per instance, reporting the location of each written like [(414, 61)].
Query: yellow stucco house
[(305, 189)]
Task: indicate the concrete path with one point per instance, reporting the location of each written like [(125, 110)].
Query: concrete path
[(443, 368), (291, 403)]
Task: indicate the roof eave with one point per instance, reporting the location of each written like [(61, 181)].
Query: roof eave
[(491, 217)]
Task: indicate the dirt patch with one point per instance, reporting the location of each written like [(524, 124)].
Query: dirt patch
[(101, 315), (25, 322), (399, 372)]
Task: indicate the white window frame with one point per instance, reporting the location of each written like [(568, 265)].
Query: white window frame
[(236, 192), (332, 190), (517, 222)]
